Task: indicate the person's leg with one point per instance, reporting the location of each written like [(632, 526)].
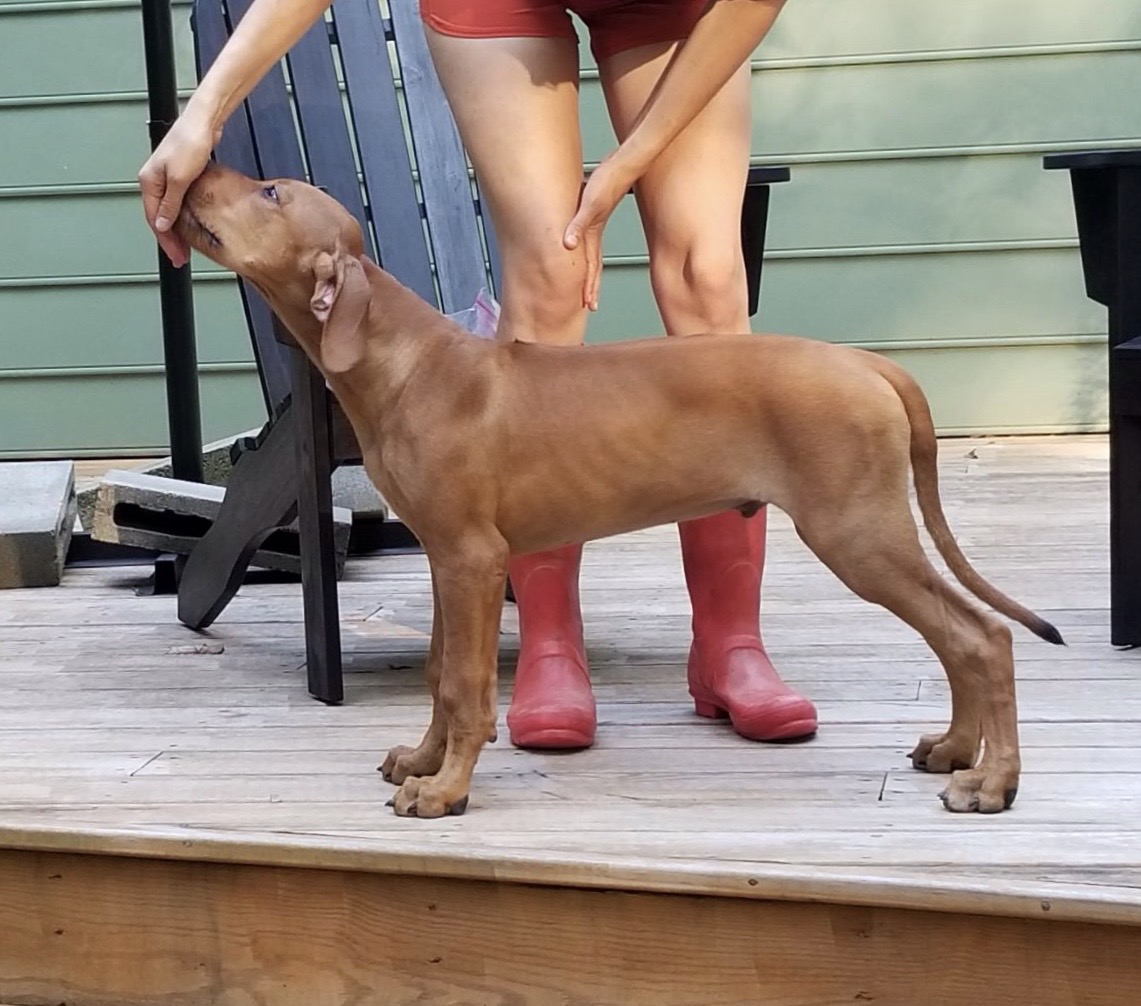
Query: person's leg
[(690, 198), (515, 101), (690, 202)]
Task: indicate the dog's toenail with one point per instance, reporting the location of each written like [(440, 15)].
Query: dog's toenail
[(1008, 797), (412, 810), (457, 808), (391, 802)]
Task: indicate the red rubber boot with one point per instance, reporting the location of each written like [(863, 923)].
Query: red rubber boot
[(729, 671), (552, 705)]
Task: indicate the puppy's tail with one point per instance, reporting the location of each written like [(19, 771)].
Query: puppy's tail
[(925, 471)]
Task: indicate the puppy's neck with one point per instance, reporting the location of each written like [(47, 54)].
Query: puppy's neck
[(403, 330), (404, 337)]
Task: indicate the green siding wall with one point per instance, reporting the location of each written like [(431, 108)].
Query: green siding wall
[(919, 220), (80, 331)]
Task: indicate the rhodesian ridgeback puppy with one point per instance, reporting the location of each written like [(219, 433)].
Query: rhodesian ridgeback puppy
[(488, 449)]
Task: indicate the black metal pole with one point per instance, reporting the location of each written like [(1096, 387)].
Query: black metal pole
[(184, 418)]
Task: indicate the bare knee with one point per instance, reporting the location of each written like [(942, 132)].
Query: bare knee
[(700, 289), (542, 296)]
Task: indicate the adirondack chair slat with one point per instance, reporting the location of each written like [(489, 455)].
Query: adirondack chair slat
[(273, 137), (324, 131), (236, 149), (495, 262), (444, 179), (385, 165), (271, 116)]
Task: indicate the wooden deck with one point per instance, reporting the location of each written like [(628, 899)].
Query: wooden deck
[(124, 734)]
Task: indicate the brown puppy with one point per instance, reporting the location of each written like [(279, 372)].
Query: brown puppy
[(487, 449)]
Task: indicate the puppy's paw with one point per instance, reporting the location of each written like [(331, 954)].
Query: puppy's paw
[(980, 791), (425, 798), (388, 769), (943, 753), (404, 762)]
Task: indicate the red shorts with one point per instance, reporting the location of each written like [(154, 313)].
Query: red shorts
[(614, 25)]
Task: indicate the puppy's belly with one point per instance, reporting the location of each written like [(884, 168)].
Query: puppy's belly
[(550, 533), (558, 504)]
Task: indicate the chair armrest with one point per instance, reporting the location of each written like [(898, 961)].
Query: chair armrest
[(1128, 157), (754, 222)]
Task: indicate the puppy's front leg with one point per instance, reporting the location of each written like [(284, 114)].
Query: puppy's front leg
[(425, 759), (470, 580)]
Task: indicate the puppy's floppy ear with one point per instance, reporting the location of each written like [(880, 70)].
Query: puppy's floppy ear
[(340, 302)]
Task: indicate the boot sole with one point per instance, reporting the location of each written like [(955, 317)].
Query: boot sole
[(793, 730), (553, 740)]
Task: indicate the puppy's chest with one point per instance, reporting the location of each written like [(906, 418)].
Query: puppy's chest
[(389, 487)]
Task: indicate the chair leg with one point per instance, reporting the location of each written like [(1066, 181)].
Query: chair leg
[(1125, 530), (1125, 415), (260, 497), (315, 522)]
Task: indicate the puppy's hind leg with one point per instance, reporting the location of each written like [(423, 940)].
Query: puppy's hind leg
[(425, 759), (873, 547), (470, 580)]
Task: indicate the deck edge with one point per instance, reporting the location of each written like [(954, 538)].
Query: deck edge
[(730, 879)]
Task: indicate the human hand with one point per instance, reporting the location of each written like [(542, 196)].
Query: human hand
[(607, 184), (177, 161)]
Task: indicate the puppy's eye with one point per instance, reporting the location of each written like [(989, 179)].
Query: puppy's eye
[(270, 192)]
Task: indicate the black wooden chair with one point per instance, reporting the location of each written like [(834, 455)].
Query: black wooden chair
[(420, 211), (1107, 199)]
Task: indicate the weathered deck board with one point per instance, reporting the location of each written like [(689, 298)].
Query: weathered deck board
[(114, 737)]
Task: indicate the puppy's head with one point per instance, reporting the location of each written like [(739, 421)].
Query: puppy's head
[(298, 246)]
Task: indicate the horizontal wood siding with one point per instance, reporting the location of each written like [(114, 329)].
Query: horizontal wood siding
[(919, 220), (81, 357)]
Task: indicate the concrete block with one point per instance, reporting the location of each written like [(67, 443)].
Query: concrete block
[(37, 516), (353, 490), (216, 468), (351, 486), (217, 462), (171, 516)]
